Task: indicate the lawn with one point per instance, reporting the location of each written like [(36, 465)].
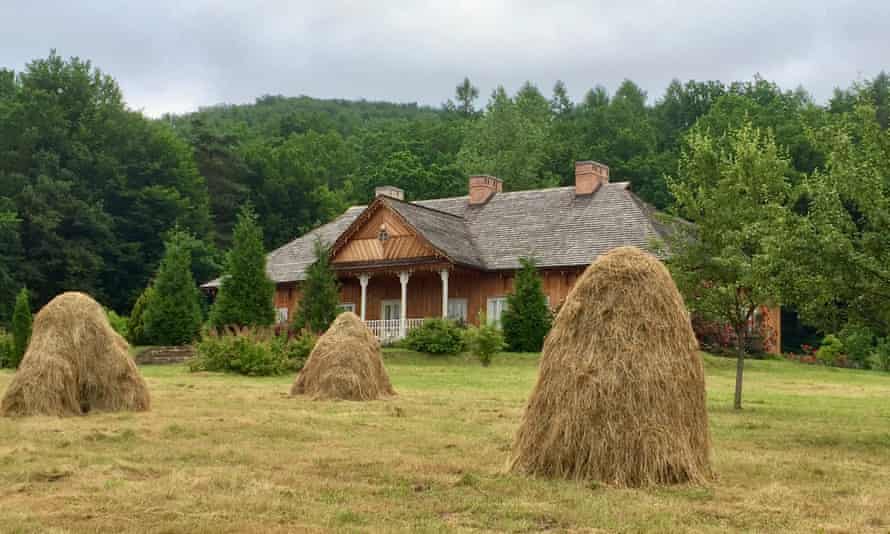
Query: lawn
[(810, 452)]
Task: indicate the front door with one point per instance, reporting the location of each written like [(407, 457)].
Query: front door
[(392, 310)]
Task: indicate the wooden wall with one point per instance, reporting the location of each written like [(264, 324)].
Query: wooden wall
[(425, 295), (425, 291)]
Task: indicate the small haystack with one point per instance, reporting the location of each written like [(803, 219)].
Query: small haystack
[(345, 364), (75, 363), (620, 396)]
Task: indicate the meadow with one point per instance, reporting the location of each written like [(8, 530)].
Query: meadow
[(810, 452)]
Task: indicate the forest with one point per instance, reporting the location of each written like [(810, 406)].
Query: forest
[(90, 189)]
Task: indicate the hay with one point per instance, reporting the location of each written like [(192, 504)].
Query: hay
[(620, 397), (74, 364), (345, 364)]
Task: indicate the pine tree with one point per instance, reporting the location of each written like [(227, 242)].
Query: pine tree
[(172, 316), (136, 324), (246, 294), (21, 326), (527, 318), (321, 293)]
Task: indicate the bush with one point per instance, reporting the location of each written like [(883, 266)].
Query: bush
[(118, 323), (484, 341), (880, 357), (7, 349), (858, 342), (251, 352), (436, 336), (831, 350)]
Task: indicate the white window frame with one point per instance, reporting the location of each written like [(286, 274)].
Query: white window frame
[(390, 302), (465, 309), (346, 307), (281, 315), (491, 304)]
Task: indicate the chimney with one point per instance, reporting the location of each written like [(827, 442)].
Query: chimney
[(483, 187), (589, 176), (389, 191)]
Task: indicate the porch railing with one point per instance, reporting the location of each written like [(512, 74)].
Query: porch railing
[(390, 330)]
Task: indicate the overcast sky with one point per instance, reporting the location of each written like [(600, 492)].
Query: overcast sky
[(177, 55)]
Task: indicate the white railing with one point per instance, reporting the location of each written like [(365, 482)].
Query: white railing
[(391, 330)]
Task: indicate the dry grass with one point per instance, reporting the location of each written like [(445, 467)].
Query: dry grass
[(810, 452), (345, 364), (620, 397), (75, 363)]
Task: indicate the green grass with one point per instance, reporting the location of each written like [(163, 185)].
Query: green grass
[(218, 453)]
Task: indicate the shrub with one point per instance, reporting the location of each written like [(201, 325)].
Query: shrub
[(251, 352), (436, 336), (118, 323), (858, 342), (7, 348), (880, 357), (527, 319), (21, 327), (484, 341), (831, 349)]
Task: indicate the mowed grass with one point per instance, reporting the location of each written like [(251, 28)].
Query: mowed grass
[(810, 452)]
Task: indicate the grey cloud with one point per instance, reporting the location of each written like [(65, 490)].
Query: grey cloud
[(173, 56)]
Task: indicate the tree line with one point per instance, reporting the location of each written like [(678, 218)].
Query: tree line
[(91, 190)]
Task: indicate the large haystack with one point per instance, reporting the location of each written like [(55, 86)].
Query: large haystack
[(345, 364), (620, 396), (75, 364)]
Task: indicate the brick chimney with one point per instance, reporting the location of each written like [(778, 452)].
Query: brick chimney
[(483, 187), (389, 191), (589, 176)]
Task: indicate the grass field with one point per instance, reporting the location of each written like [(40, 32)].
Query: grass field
[(811, 452)]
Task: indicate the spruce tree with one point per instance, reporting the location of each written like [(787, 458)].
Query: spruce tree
[(21, 326), (246, 294), (321, 293), (527, 319), (172, 316), (136, 324)]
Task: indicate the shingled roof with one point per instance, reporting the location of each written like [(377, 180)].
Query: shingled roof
[(555, 226)]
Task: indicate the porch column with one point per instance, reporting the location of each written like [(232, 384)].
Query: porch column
[(444, 275), (403, 323), (363, 280)]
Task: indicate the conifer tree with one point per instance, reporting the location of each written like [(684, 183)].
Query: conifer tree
[(136, 324), (172, 316), (246, 294), (21, 326), (527, 319), (321, 293)]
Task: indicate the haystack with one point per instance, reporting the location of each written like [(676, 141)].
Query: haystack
[(75, 363), (620, 397), (345, 364)]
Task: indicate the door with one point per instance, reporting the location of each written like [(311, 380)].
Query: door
[(392, 310)]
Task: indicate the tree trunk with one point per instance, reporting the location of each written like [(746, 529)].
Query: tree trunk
[(739, 370)]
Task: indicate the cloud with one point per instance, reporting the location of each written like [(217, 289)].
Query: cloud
[(174, 56)]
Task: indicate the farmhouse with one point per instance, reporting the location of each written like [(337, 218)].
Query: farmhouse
[(400, 262)]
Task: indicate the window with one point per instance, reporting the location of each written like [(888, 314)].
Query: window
[(391, 310), (346, 307), (383, 234), (496, 307), (457, 310), (281, 315)]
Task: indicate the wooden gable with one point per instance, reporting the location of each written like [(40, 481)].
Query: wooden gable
[(366, 244)]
